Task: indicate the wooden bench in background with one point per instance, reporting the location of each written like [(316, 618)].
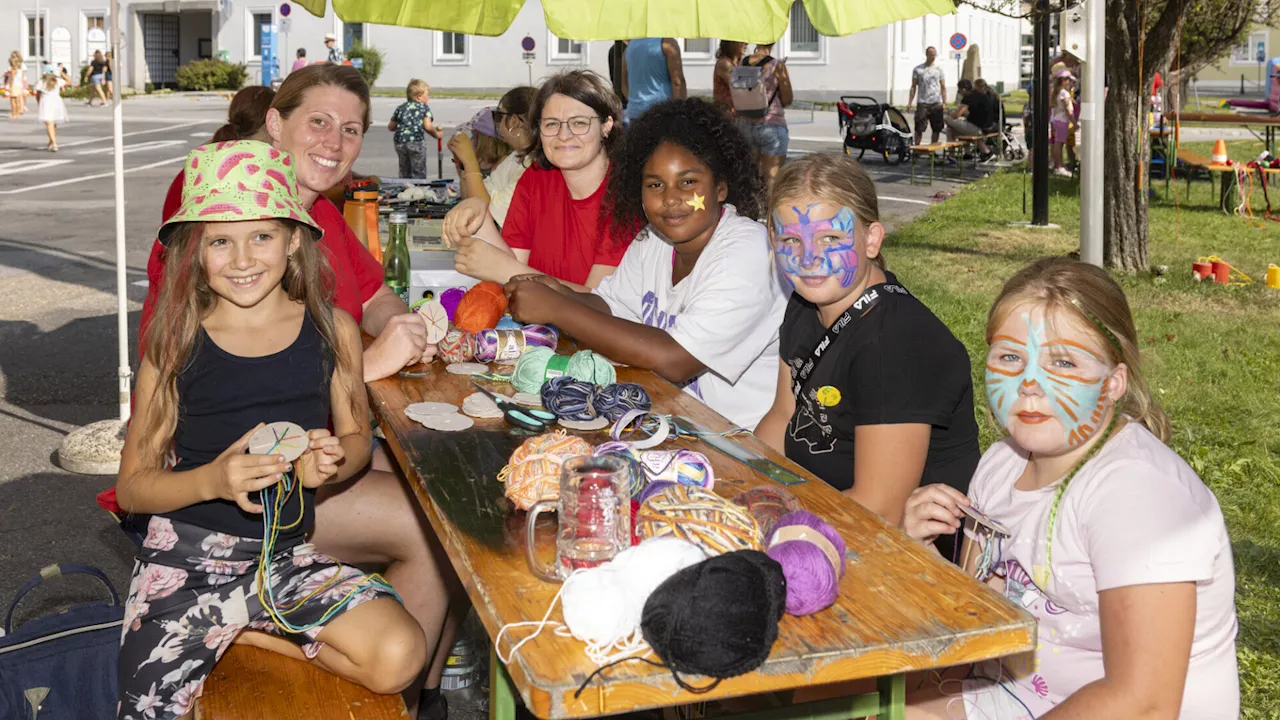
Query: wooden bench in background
[(932, 151), (973, 140), (249, 683)]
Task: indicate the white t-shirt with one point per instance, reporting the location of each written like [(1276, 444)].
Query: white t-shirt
[(1136, 514), (1060, 113), (928, 79), (726, 313), (501, 185)]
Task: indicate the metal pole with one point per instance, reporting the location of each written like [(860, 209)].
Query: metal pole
[(1040, 118), (1092, 112), (39, 45), (124, 373)]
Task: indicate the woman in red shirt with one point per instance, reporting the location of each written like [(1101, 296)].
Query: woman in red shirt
[(554, 225)]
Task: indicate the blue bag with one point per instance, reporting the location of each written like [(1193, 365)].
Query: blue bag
[(62, 666)]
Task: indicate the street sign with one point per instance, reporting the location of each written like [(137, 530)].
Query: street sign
[(285, 9), (957, 55), (286, 25), (529, 57), (1262, 51), (958, 41), (527, 44)]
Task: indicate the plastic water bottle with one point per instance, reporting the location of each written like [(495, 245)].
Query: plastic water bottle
[(395, 261)]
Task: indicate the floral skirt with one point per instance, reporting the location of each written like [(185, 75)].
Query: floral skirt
[(194, 591)]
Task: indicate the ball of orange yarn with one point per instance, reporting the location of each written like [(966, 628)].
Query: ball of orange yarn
[(533, 472), (481, 308)]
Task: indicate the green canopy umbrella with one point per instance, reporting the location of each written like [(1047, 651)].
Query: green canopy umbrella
[(761, 21)]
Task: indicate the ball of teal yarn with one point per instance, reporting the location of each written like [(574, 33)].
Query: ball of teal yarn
[(531, 369)]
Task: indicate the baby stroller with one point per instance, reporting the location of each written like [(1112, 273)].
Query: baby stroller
[(1012, 146), (878, 127)]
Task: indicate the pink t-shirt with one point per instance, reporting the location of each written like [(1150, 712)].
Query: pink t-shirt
[(1136, 514)]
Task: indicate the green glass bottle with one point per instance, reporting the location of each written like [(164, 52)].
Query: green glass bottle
[(395, 260)]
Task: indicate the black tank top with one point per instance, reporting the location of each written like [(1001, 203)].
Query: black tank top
[(222, 396)]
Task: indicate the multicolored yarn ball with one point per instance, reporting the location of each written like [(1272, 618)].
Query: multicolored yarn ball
[(569, 398), (613, 401), (681, 466), (457, 347), (699, 516), (450, 299), (767, 503), (649, 491), (533, 472), (539, 364), (811, 554), (510, 344), (481, 307)]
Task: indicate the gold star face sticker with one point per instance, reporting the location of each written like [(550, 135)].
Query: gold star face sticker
[(697, 202)]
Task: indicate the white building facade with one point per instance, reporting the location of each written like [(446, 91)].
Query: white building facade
[(162, 35)]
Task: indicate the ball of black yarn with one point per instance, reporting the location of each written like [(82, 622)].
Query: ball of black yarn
[(717, 618)]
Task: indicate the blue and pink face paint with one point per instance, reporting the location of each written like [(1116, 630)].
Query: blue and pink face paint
[(818, 247), (1071, 377)]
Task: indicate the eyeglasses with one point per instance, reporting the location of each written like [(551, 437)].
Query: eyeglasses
[(550, 127)]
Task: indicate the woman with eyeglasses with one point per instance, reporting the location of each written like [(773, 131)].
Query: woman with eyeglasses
[(515, 139), (554, 225)]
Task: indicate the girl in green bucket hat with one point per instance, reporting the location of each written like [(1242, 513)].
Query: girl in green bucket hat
[(245, 334)]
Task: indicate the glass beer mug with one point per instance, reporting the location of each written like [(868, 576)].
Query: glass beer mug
[(594, 512)]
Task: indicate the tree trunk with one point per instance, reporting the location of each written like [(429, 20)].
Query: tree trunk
[(1124, 243)]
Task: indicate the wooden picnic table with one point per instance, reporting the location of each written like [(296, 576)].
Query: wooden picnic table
[(900, 607)]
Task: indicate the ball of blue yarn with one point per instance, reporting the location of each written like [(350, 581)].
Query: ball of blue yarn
[(613, 401), (569, 399)]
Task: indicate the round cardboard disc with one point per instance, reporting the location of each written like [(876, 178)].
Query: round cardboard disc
[(466, 368), (436, 319), (527, 399), (598, 423), (448, 423), (431, 408), (286, 438)]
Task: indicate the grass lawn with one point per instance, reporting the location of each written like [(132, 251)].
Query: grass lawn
[(1211, 354)]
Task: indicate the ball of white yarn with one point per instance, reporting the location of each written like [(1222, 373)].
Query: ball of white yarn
[(604, 604)]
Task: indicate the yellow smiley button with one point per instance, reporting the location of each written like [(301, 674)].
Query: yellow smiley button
[(828, 396)]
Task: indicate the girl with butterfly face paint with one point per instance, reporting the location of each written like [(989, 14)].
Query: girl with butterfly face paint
[(1114, 544), (887, 399)]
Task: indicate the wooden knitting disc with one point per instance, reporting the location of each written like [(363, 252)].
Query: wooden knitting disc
[(286, 438)]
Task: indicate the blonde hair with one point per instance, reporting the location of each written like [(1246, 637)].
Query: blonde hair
[(490, 150), (50, 81), (1089, 294), (416, 88), (834, 179), (186, 299)]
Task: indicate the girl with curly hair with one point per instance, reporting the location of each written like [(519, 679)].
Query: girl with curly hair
[(694, 298)]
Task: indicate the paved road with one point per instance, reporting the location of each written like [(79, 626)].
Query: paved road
[(57, 298)]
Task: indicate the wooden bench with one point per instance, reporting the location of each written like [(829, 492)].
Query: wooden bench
[(974, 139), (1199, 162), (932, 150), (249, 683)]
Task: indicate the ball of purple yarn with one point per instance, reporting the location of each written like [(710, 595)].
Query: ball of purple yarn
[(540, 336), (450, 299), (487, 341), (652, 489), (812, 584)]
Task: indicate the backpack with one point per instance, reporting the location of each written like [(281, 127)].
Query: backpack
[(746, 90), (62, 666)]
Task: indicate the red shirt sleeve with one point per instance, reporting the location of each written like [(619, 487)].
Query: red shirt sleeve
[(172, 199), (344, 244), (155, 265), (517, 231)]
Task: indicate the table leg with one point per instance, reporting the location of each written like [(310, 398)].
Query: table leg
[(893, 697), (502, 694)]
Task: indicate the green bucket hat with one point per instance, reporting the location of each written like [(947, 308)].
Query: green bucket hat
[(238, 180)]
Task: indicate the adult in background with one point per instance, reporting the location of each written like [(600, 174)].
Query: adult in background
[(962, 122), (331, 44), (768, 135), (929, 82), (320, 116), (301, 62), (510, 120), (108, 76), (554, 225), (728, 55), (651, 73), (97, 75)]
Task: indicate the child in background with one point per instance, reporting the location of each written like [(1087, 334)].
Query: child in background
[(244, 305), (1115, 546), (510, 120), (52, 109), (1062, 122), (412, 122), (15, 80), (694, 298), (874, 395)]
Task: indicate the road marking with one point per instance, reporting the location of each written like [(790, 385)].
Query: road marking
[(199, 134), (140, 283), (810, 138), (92, 177), (167, 128), (904, 200), (22, 166), (153, 145)]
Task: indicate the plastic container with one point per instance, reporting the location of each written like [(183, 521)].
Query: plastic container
[(462, 668), (361, 214)]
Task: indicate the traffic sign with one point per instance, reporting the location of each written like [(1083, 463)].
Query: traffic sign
[(527, 44), (1262, 51), (285, 9), (286, 25), (529, 57), (958, 41), (957, 55)]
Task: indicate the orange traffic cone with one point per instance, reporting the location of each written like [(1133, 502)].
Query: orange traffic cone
[(1219, 152)]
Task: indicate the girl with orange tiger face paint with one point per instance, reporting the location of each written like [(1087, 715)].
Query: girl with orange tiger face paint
[(1048, 383)]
